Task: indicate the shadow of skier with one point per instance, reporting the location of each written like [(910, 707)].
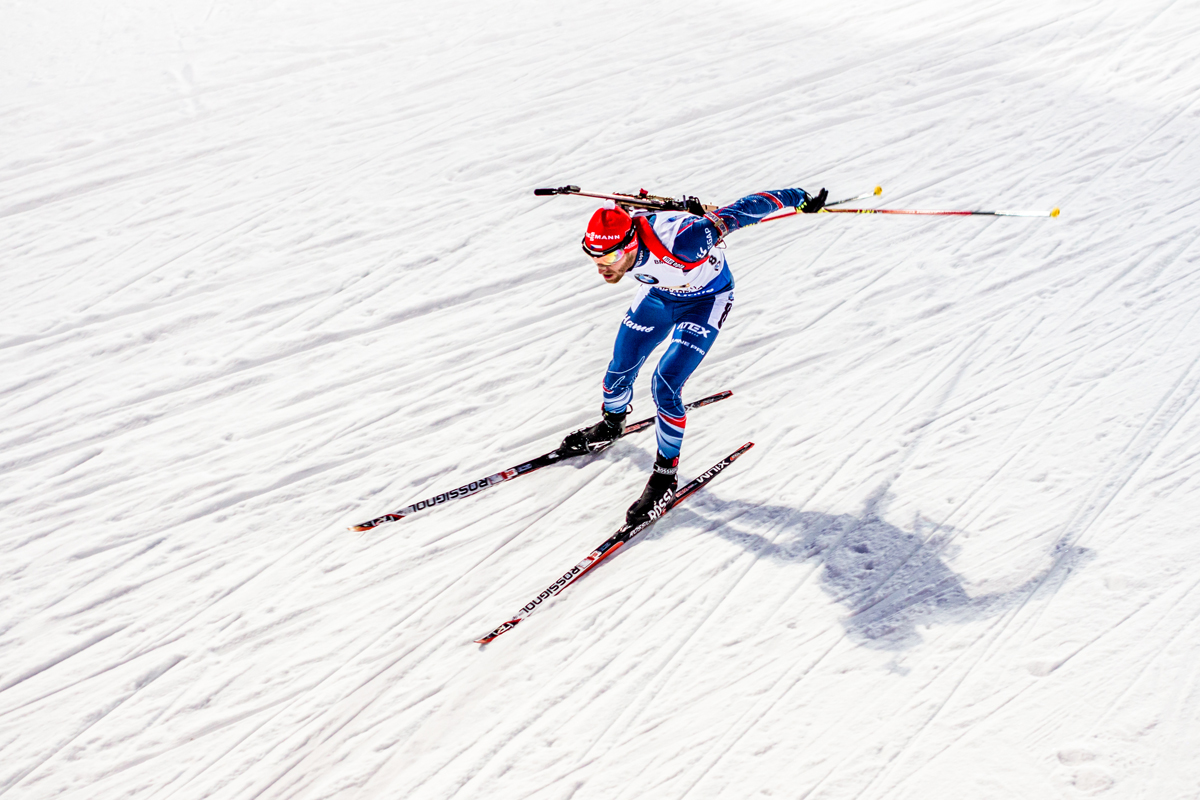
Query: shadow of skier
[(890, 580)]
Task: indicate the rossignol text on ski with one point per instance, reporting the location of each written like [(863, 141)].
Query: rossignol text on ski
[(613, 543), (524, 468)]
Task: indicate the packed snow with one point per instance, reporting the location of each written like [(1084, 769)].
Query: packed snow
[(270, 269)]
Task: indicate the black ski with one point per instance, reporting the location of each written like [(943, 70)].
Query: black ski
[(610, 546), (476, 486)]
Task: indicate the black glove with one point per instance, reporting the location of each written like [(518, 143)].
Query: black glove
[(814, 203)]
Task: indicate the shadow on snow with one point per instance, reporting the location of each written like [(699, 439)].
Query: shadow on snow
[(890, 580)]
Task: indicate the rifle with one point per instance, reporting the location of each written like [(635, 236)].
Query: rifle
[(692, 205), (642, 199)]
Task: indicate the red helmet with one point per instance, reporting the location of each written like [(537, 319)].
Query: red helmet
[(610, 228)]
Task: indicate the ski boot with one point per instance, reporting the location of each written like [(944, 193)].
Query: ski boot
[(658, 495), (597, 437)]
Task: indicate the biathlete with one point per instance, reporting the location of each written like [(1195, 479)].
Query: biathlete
[(686, 293)]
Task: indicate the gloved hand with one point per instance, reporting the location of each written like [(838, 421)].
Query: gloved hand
[(814, 203)]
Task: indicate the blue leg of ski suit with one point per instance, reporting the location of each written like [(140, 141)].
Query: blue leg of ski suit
[(693, 324)]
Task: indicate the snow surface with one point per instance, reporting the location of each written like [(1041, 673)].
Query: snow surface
[(273, 268)]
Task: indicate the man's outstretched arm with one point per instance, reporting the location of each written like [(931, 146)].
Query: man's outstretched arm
[(692, 241)]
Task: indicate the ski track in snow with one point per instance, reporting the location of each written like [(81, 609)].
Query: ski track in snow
[(272, 269)]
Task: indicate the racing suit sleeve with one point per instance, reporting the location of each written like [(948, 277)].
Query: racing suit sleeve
[(695, 239)]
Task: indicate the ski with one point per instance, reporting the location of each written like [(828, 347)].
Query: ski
[(610, 546), (476, 486)]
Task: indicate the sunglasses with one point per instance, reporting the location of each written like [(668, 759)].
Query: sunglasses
[(611, 255), (608, 259)]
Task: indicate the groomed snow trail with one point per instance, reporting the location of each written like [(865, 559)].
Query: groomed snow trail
[(269, 269)]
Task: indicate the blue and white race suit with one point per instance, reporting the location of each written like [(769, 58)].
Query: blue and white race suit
[(686, 293)]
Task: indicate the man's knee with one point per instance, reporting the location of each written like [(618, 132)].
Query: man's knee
[(667, 398)]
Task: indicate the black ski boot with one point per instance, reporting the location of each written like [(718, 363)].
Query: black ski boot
[(657, 496), (597, 437)]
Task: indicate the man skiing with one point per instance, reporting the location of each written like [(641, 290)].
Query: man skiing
[(686, 293)]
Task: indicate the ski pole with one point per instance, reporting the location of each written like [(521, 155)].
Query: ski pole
[(934, 213), (791, 212), (878, 191), (917, 211)]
